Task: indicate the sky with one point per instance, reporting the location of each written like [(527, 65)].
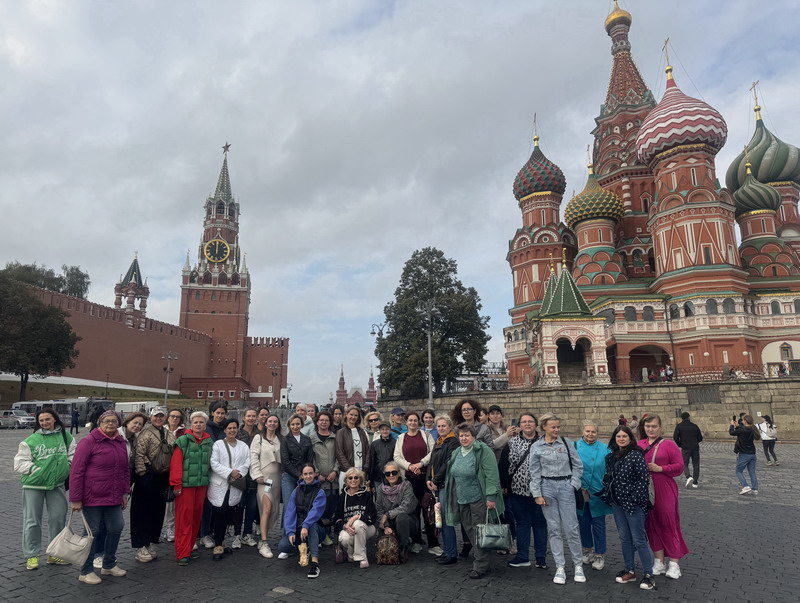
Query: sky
[(360, 131)]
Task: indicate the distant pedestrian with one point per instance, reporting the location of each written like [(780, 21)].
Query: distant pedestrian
[(688, 437), (745, 448), (622, 420), (769, 435), (75, 421)]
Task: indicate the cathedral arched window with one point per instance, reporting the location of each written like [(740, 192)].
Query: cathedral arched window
[(651, 259), (220, 208), (637, 257), (688, 309), (510, 336), (516, 335), (711, 306), (797, 306), (522, 334), (235, 279), (648, 314), (223, 278), (630, 314), (776, 307), (728, 306), (207, 278), (673, 311)]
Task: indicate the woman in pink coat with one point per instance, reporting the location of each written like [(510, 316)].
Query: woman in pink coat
[(663, 523)]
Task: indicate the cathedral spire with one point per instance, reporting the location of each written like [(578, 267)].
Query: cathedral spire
[(223, 191)]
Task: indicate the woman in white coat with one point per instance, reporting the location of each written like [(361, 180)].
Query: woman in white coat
[(230, 461)]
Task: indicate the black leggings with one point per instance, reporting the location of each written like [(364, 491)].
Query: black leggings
[(769, 447), (420, 488), (221, 519)]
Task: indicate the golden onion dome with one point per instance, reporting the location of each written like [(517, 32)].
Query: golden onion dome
[(617, 16)]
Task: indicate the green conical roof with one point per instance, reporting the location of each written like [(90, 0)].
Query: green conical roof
[(564, 299), (593, 202)]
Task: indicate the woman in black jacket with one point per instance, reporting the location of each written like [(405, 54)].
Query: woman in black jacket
[(745, 449), (296, 451), (446, 443), (355, 517), (381, 451), (626, 485)]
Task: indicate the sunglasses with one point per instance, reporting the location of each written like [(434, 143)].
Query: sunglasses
[(390, 473), (353, 477), (373, 420)]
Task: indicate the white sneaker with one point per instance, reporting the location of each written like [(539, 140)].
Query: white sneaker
[(745, 490), (674, 570), (560, 577), (327, 541), (695, 485), (415, 548), (265, 551), (152, 550), (769, 463), (689, 481), (114, 571), (170, 535), (588, 555), (236, 543), (579, 575), (208, 542), (97, 563), (755, 491), (437, 550), (599, 562), (143, 555), (658, 567), (249, 540), (283, 555), (90, 578)]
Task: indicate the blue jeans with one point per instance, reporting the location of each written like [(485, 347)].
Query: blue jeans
[(449, 544), (593, 531), (746, 460), (315, 534), (288, 484), (527, 515), (111, 517), (633, 537), (562, 516)]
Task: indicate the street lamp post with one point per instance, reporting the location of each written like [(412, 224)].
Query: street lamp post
[(107, 375), (427, 307), (274, 366), (169, 357)]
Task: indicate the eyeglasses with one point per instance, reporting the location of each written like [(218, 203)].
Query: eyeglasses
[(467, 409), (390, 473), (373, 420), (109, 422), (355, 477)]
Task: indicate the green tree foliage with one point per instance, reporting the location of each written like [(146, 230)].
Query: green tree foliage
[(458, 330), (72, 280), (35, 339)]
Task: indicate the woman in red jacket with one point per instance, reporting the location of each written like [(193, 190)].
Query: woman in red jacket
[(99, 486), (188, 476)]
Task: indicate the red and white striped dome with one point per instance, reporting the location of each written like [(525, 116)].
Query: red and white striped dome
[(679, 120)]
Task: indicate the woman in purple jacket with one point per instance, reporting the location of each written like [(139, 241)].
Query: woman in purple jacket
[(99, 486)]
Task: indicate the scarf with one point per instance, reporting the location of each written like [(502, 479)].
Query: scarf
[(391, 492), (440, 440)]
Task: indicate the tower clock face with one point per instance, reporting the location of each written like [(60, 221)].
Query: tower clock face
[(216, 250)]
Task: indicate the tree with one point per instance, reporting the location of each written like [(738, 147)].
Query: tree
[(72, 280), (458, 331), (35, 339)]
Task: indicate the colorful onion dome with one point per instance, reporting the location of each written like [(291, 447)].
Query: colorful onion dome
[(679, 120), (752, 195), (593, 202), (617, 16), (539, 175), (772, 159)]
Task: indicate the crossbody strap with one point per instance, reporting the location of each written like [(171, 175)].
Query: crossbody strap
[(522, 460)]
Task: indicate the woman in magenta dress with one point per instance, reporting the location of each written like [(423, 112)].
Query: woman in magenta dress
[(663, 523)]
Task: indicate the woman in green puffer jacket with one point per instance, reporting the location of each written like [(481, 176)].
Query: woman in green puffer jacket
[(43, 461)]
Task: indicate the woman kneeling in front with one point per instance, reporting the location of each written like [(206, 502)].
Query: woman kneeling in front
[(301, 530), (355, 517)]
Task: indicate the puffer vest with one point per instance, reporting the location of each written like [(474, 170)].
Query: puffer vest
[(304, 500), (196, 460)]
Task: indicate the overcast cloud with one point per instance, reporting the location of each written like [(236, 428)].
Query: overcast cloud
[(361, 130)]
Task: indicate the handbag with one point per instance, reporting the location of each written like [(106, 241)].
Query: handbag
[(651, 491), (340, 553), (428, 506), (493, 536), (579, 502), (169, 494), (67, 545), (240, 483)]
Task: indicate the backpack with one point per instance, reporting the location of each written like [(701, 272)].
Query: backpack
[(388, 550)]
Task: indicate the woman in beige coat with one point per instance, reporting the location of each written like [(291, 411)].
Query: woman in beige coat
[(265, 470)]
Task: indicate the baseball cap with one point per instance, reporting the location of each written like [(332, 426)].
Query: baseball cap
[(495, 407), (157, 411), (398, 411)]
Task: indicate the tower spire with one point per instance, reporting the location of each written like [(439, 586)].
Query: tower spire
[(223, 191)]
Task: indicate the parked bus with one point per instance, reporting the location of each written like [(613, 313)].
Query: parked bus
[(86, 407)]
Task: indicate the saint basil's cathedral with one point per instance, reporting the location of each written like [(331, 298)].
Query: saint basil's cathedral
[(645, 272)]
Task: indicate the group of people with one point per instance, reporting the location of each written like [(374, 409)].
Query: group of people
[(346, 477)]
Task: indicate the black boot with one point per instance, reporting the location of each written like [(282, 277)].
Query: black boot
[(465, 551)]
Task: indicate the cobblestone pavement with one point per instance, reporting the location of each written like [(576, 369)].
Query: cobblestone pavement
[(744, 548)]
